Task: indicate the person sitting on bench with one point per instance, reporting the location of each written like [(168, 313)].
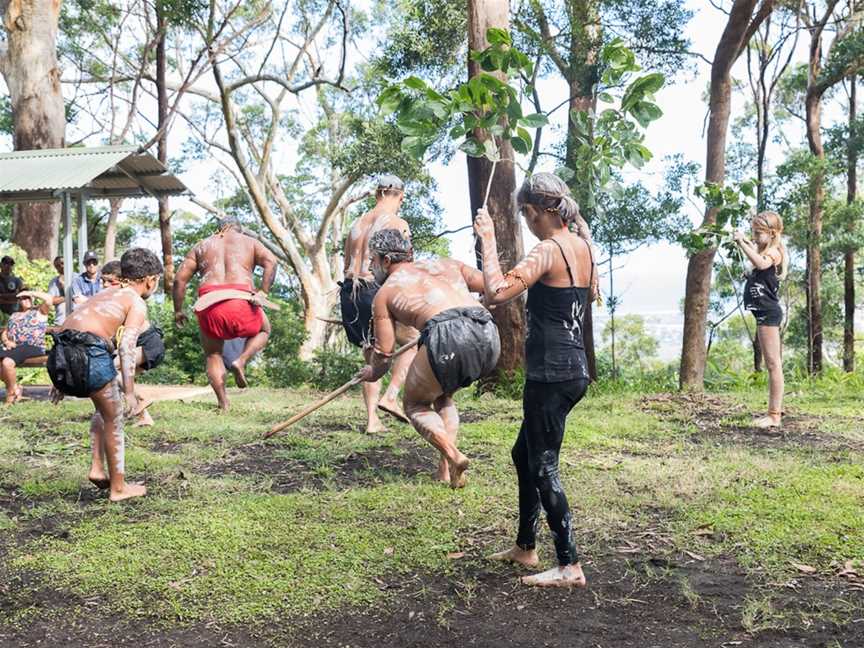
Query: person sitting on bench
[(23, 338)]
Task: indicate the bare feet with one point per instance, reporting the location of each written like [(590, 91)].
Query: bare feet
[(443, 472), (569, 576), (525, 557), (239, 376), (143, 404), (393, 409), (457, 470), (14, 395), (772, 420), (99, 479), (143, 420), (374, 426), (129, 491)]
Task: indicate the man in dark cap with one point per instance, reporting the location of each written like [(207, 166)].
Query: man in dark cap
[(358, 290), (10, 286), (228, 306), (89, 282)]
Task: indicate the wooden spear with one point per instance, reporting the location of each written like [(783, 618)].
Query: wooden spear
[(332, 395)]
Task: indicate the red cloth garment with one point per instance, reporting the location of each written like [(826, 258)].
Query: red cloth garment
[(231, 318)]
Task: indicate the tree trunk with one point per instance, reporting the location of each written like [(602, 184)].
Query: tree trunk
[(698, 283), (111, 229), (585, 44), (29, 66), (849, 255), (813, 116), (317, 304), (162, 148), (510, 318)]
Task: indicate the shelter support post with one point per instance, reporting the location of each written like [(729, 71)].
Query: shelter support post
[(67, 250), (82, 230)]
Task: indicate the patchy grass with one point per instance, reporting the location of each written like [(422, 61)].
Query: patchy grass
[(326, 517)]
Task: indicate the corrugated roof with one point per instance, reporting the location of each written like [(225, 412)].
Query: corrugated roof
[(101, 172)]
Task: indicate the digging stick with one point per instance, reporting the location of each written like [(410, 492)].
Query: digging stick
[(332, 395)]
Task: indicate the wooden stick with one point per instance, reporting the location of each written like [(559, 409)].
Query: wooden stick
[(332, 395)]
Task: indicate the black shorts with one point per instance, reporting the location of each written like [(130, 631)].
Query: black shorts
[(355, 299), (768, 316), (152, 347), (22, 352), (463, 346)]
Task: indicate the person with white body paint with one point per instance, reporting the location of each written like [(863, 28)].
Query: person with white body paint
[(226, 262), (81, 364), (560, 278), (358, 289), (458, 339)]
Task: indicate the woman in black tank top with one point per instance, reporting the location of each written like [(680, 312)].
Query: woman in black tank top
[(556, 374), (762, 296)]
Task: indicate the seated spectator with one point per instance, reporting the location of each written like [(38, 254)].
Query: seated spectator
[(89, 282), (23, 338), (110, 274), (10, 286), (57, 291)]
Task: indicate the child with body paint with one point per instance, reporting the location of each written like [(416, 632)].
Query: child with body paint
[(81, 364), (559, 277), (767, 253)]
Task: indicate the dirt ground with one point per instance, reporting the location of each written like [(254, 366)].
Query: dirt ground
[(639, 596), (633, 603)]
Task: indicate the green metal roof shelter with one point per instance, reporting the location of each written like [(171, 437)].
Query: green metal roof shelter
[(78, 174)]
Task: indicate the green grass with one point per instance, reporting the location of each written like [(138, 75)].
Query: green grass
[(214, 539)]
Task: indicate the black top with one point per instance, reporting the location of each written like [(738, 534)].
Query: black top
[(762, 289), (554, 349)]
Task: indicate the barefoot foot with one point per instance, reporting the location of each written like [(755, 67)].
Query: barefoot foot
[(143, 420), (129, 491), (99, 480), (525, 557), (443, 472), (569, 576), (393, 409), (457, 470), (374, 426), (766, 422), (238, 370)]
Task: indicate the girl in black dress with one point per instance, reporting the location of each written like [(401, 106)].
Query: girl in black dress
[(762, 296), (560, 278)]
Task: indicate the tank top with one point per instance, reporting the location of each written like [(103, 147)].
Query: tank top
[(554, 348), (762, 289)]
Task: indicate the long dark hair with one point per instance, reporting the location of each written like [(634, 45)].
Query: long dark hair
[(550, 193)]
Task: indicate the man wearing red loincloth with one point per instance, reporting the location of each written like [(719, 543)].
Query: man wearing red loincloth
[(228, 306)]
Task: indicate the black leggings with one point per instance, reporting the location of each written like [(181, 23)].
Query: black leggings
[(545, 407)]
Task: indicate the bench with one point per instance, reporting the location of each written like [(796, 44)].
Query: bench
[(35, 362)]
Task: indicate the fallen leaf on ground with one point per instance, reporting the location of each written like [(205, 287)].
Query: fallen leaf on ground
[(804, 569), (694, 556), (456, 555), (388, 551)]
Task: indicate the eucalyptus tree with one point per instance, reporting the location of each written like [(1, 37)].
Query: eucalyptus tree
[(29, 67)]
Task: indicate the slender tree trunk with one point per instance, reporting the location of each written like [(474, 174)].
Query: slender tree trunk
[(162, 148), (813, 116), (483, 14), (111, 229), (849, 255), (698, 283), (585, 43), (28, 63)]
